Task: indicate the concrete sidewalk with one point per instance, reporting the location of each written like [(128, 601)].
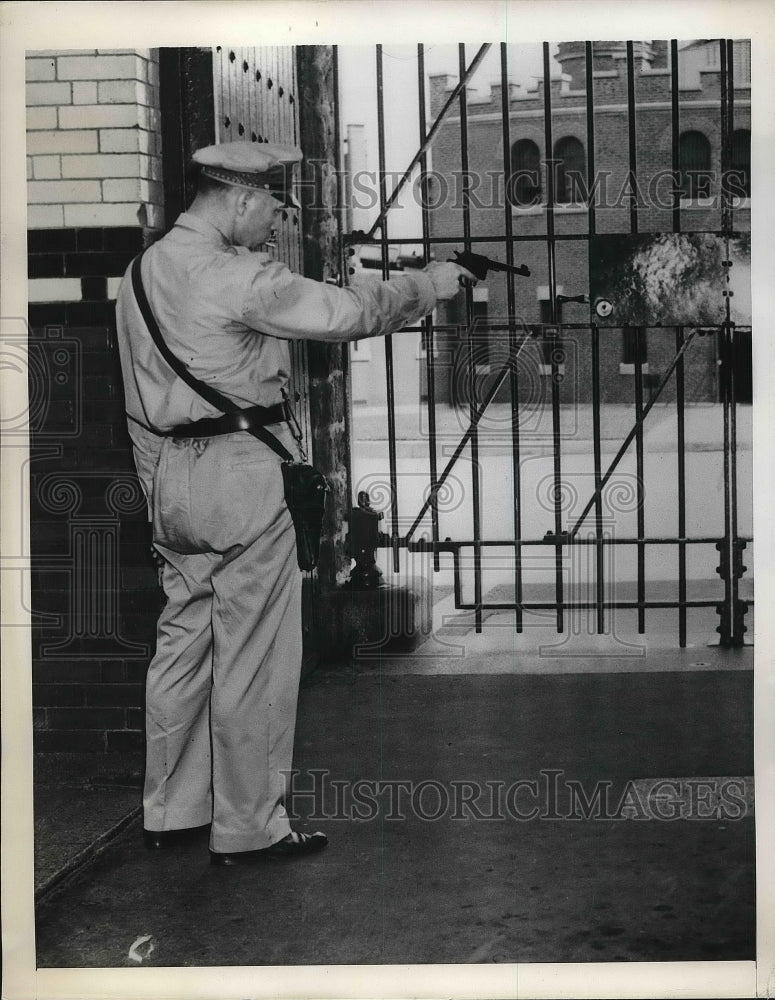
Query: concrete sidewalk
[(399, 884), (82, 801)]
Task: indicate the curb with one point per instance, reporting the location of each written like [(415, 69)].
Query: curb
[(87, 854)]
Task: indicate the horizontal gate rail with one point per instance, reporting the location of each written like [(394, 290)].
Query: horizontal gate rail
[(450, 545), (504, 238)]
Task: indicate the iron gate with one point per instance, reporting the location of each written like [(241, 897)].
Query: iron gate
[(551, 209)]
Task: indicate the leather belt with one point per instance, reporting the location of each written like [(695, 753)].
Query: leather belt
[(243, 420)]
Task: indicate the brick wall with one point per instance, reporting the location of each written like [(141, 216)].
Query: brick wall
[(94, 157), (699, 110), (94, 200)]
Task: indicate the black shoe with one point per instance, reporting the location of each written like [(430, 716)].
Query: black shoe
[(295, 845), (159, 840)]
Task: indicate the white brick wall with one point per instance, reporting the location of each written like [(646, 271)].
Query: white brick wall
[(41, 69), (48, 94), (102, 67), (84, 92), (51, 141), (102, 165), (46, 167), (41, 118), (98, 116), (45, 216), (93, 138), (61, 192)]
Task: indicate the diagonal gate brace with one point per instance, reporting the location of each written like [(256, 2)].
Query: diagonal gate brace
[(569, 536)]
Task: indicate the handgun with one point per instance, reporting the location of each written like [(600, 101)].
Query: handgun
[(479, 265)]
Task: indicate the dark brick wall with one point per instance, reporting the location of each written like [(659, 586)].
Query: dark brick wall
[(95, 597)]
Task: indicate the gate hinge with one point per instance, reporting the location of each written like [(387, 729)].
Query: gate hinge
[(723, 567), (737, 557), (732, 632)]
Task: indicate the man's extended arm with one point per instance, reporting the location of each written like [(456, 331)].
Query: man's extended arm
[(283, 304)]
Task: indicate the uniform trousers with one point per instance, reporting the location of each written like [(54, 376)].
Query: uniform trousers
[(222, 688)]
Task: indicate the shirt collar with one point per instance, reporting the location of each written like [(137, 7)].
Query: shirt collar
[(194, 223)]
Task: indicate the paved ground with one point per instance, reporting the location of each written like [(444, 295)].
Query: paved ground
[(430, 888)]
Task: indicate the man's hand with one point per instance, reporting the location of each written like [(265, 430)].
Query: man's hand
[(446, 278)]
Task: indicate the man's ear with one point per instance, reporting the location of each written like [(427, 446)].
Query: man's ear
[(244, 199)]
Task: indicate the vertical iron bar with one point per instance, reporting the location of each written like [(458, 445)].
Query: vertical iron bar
[(589, 67), (595, 338), (599, 544), (727, 561), (632, 139), (427, 334), (681, 446), (633, 169), (680, 400), (342, 259), (512, 334), (639, 465), (552, 267), (469, 316), (726, 166), (389, 374)]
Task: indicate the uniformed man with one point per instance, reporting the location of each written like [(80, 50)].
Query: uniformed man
[(222, 686)]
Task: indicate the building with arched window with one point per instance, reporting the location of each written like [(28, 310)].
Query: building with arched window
[(524, 184), (694, 158), (570, 171), (679, 167)]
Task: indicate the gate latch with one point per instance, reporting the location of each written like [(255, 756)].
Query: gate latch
[(552, 538)]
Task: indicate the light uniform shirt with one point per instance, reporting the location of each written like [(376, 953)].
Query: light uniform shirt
[(228, 314)]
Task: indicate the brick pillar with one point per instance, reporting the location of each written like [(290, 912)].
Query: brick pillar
[(352, 624), (94, 198)]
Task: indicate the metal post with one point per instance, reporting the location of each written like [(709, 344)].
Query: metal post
[(512, 334), (595, 347), (388, 341), (428, 332), (328, 363), (680, 391), (552, 270)]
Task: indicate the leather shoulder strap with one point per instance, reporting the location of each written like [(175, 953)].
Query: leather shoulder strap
[(207, 392)]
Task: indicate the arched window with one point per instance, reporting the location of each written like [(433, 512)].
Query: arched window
[(740, 167), (524, 187), (694, 161), (571, 171)]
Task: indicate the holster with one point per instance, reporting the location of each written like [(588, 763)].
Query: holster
[(305, 497)]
